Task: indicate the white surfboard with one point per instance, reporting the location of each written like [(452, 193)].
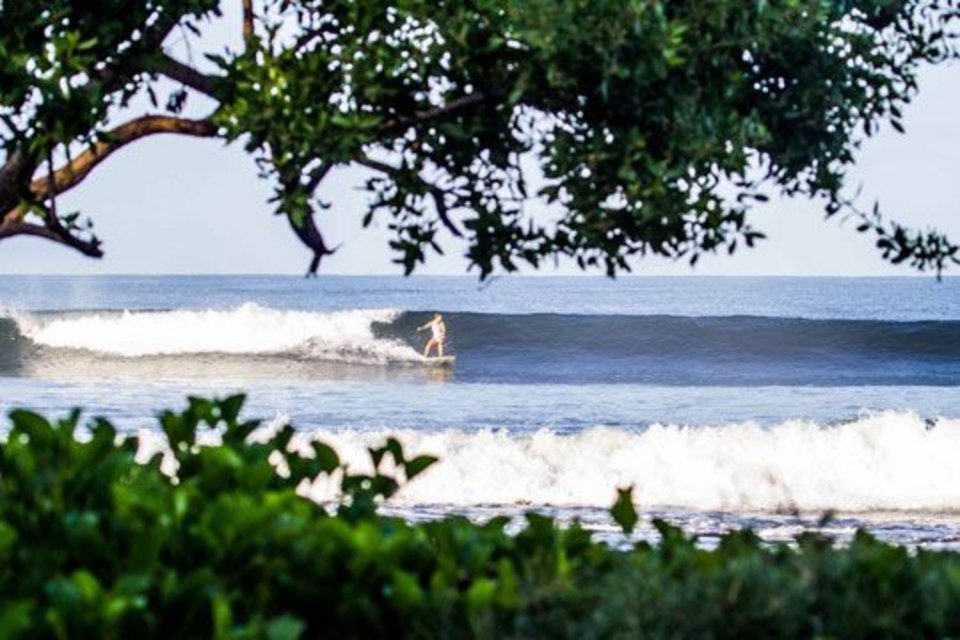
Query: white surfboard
[(440, 361)]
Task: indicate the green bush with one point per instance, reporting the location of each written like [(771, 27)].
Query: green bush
[(93, 544)]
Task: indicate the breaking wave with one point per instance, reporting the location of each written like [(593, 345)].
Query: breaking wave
[(889, 461), (523, 348), (882, 462), (247, 329)]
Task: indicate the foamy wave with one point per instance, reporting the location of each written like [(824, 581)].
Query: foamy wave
[(248, 329), (884, 462), (887, 461)]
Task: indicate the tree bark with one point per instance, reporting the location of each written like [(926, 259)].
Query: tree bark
[(13, 176), (247, 20)]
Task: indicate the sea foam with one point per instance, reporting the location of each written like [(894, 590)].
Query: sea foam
[(247, 329), (890, 461), (886, 461)]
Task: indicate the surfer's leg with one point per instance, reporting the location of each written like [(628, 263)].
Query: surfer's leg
[(426, 349), (439, 348)]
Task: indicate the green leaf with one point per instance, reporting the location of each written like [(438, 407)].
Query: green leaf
[(30, 423), (230, 407), (326, 457), (481, 594), (180, 431), (285, 627), (87, 585), (623, 511), (222, 614), (15, 618), (8, 537), (396, 450), (418, 465)]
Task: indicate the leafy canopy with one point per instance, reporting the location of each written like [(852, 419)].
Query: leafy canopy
[(647, 126)]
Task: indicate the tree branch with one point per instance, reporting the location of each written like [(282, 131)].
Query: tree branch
[(247, 20), (52, 229), (73, 173), (306, 227), (436, 193), (302, 220), (318, 175), (462, 103), (310, 235), (182, 73), (19, 195), (14, 227), (376, 165), (13, 176), (118, 72)]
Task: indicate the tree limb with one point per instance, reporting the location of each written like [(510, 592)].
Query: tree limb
[(310, 235), (115, 74), (305, 227), (182, 73), (73, 173), (20, 166), (376, 165), (318, 175), (435, 192), (14, 227), (247, 20), (15, 173), (52, 229), (462, 103)]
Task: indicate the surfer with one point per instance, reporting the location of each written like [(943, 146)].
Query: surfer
[(438, 337)]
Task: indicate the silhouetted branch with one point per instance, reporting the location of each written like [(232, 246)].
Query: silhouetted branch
[(182, 73), (15, 173), (457, 105), (435, 192), (54, 232), (308, 233), (74, 172)]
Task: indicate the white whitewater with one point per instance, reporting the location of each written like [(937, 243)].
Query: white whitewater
[(891, 461), (888, 461), (247, 329)]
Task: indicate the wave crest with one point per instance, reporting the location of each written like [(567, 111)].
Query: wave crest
[(882, 462), (247, 329)]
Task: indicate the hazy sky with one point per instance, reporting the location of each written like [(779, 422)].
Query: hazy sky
[(181, 205)]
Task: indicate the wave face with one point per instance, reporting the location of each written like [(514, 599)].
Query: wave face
[(521, 349), (883, 462), (674, 350)]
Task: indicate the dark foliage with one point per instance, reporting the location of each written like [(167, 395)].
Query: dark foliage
[(650, 126), (96, 545)]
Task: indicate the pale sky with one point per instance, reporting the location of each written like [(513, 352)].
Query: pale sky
[(169, 205)]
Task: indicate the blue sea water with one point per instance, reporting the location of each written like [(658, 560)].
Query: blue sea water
[(725, 401)]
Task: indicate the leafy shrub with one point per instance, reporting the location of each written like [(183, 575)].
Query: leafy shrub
[(94, 544)]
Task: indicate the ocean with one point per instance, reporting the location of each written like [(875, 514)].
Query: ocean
[(726, 402)]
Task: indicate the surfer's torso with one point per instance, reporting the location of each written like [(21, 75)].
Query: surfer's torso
[(438, 329)]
